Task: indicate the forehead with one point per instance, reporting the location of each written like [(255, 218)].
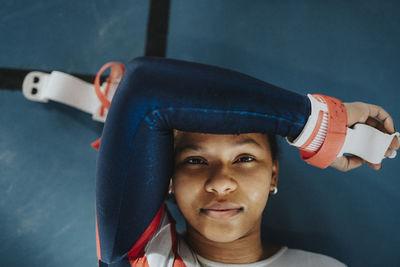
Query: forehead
[(190, 140)]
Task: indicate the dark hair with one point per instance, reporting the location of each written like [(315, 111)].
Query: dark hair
[(273, 144)]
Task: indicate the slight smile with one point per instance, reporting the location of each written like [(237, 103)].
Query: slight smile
[(221, 210)]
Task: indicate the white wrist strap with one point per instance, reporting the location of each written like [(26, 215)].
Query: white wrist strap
[(64, 88), (368, 143), (363, 140)]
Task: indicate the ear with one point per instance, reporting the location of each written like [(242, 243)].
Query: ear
[(274, 176)]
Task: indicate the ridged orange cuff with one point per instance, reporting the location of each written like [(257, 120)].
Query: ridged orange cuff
[(337, 127)]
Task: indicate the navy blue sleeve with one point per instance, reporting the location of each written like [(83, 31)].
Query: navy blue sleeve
[(154, 97)]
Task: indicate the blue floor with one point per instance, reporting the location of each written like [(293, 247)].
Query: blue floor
[(346, 49)]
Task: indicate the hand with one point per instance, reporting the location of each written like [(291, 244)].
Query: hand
[(375, 116)]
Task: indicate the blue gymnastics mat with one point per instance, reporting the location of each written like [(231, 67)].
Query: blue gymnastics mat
[(346, 49)]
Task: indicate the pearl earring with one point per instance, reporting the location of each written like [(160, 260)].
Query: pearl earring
[(275, 191)]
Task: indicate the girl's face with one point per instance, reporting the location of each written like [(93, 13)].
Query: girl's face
[(222, 182)]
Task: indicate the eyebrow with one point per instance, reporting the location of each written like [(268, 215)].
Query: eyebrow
[(241, 142), (246, 141)]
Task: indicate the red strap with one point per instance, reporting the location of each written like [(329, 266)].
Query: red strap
[(98, 241), (96, 144), (337, 127), (139, 262), (178, 262), (117, 70), (145, 237)]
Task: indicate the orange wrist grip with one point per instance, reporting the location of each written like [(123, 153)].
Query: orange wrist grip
[(336, 134)]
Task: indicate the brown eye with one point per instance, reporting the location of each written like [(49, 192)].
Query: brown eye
[(195, 161), (245, 159)]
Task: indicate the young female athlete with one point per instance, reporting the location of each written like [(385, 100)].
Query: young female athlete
[(207, 135)]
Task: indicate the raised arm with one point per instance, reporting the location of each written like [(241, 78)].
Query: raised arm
[(154, 97)]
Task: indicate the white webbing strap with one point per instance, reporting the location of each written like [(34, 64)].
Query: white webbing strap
[(64, 88), (368, 143)]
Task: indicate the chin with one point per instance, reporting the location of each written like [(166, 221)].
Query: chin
[(222, 238), (222, 235)]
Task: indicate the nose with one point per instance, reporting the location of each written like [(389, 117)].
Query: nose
[(221, 181)]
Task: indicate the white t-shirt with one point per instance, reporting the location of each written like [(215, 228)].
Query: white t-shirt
[(166, 248), (284, 257)]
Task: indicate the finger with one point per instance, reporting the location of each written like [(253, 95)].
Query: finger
[(383, 115), (376, 124), (388, 152), (346, 163), (340, 164), (374, 166), (394, 145), (353, 162)]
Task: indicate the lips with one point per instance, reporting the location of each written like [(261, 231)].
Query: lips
[(219, 210)]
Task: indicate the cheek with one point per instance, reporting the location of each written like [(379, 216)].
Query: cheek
[(256, 189), (187, 192)]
